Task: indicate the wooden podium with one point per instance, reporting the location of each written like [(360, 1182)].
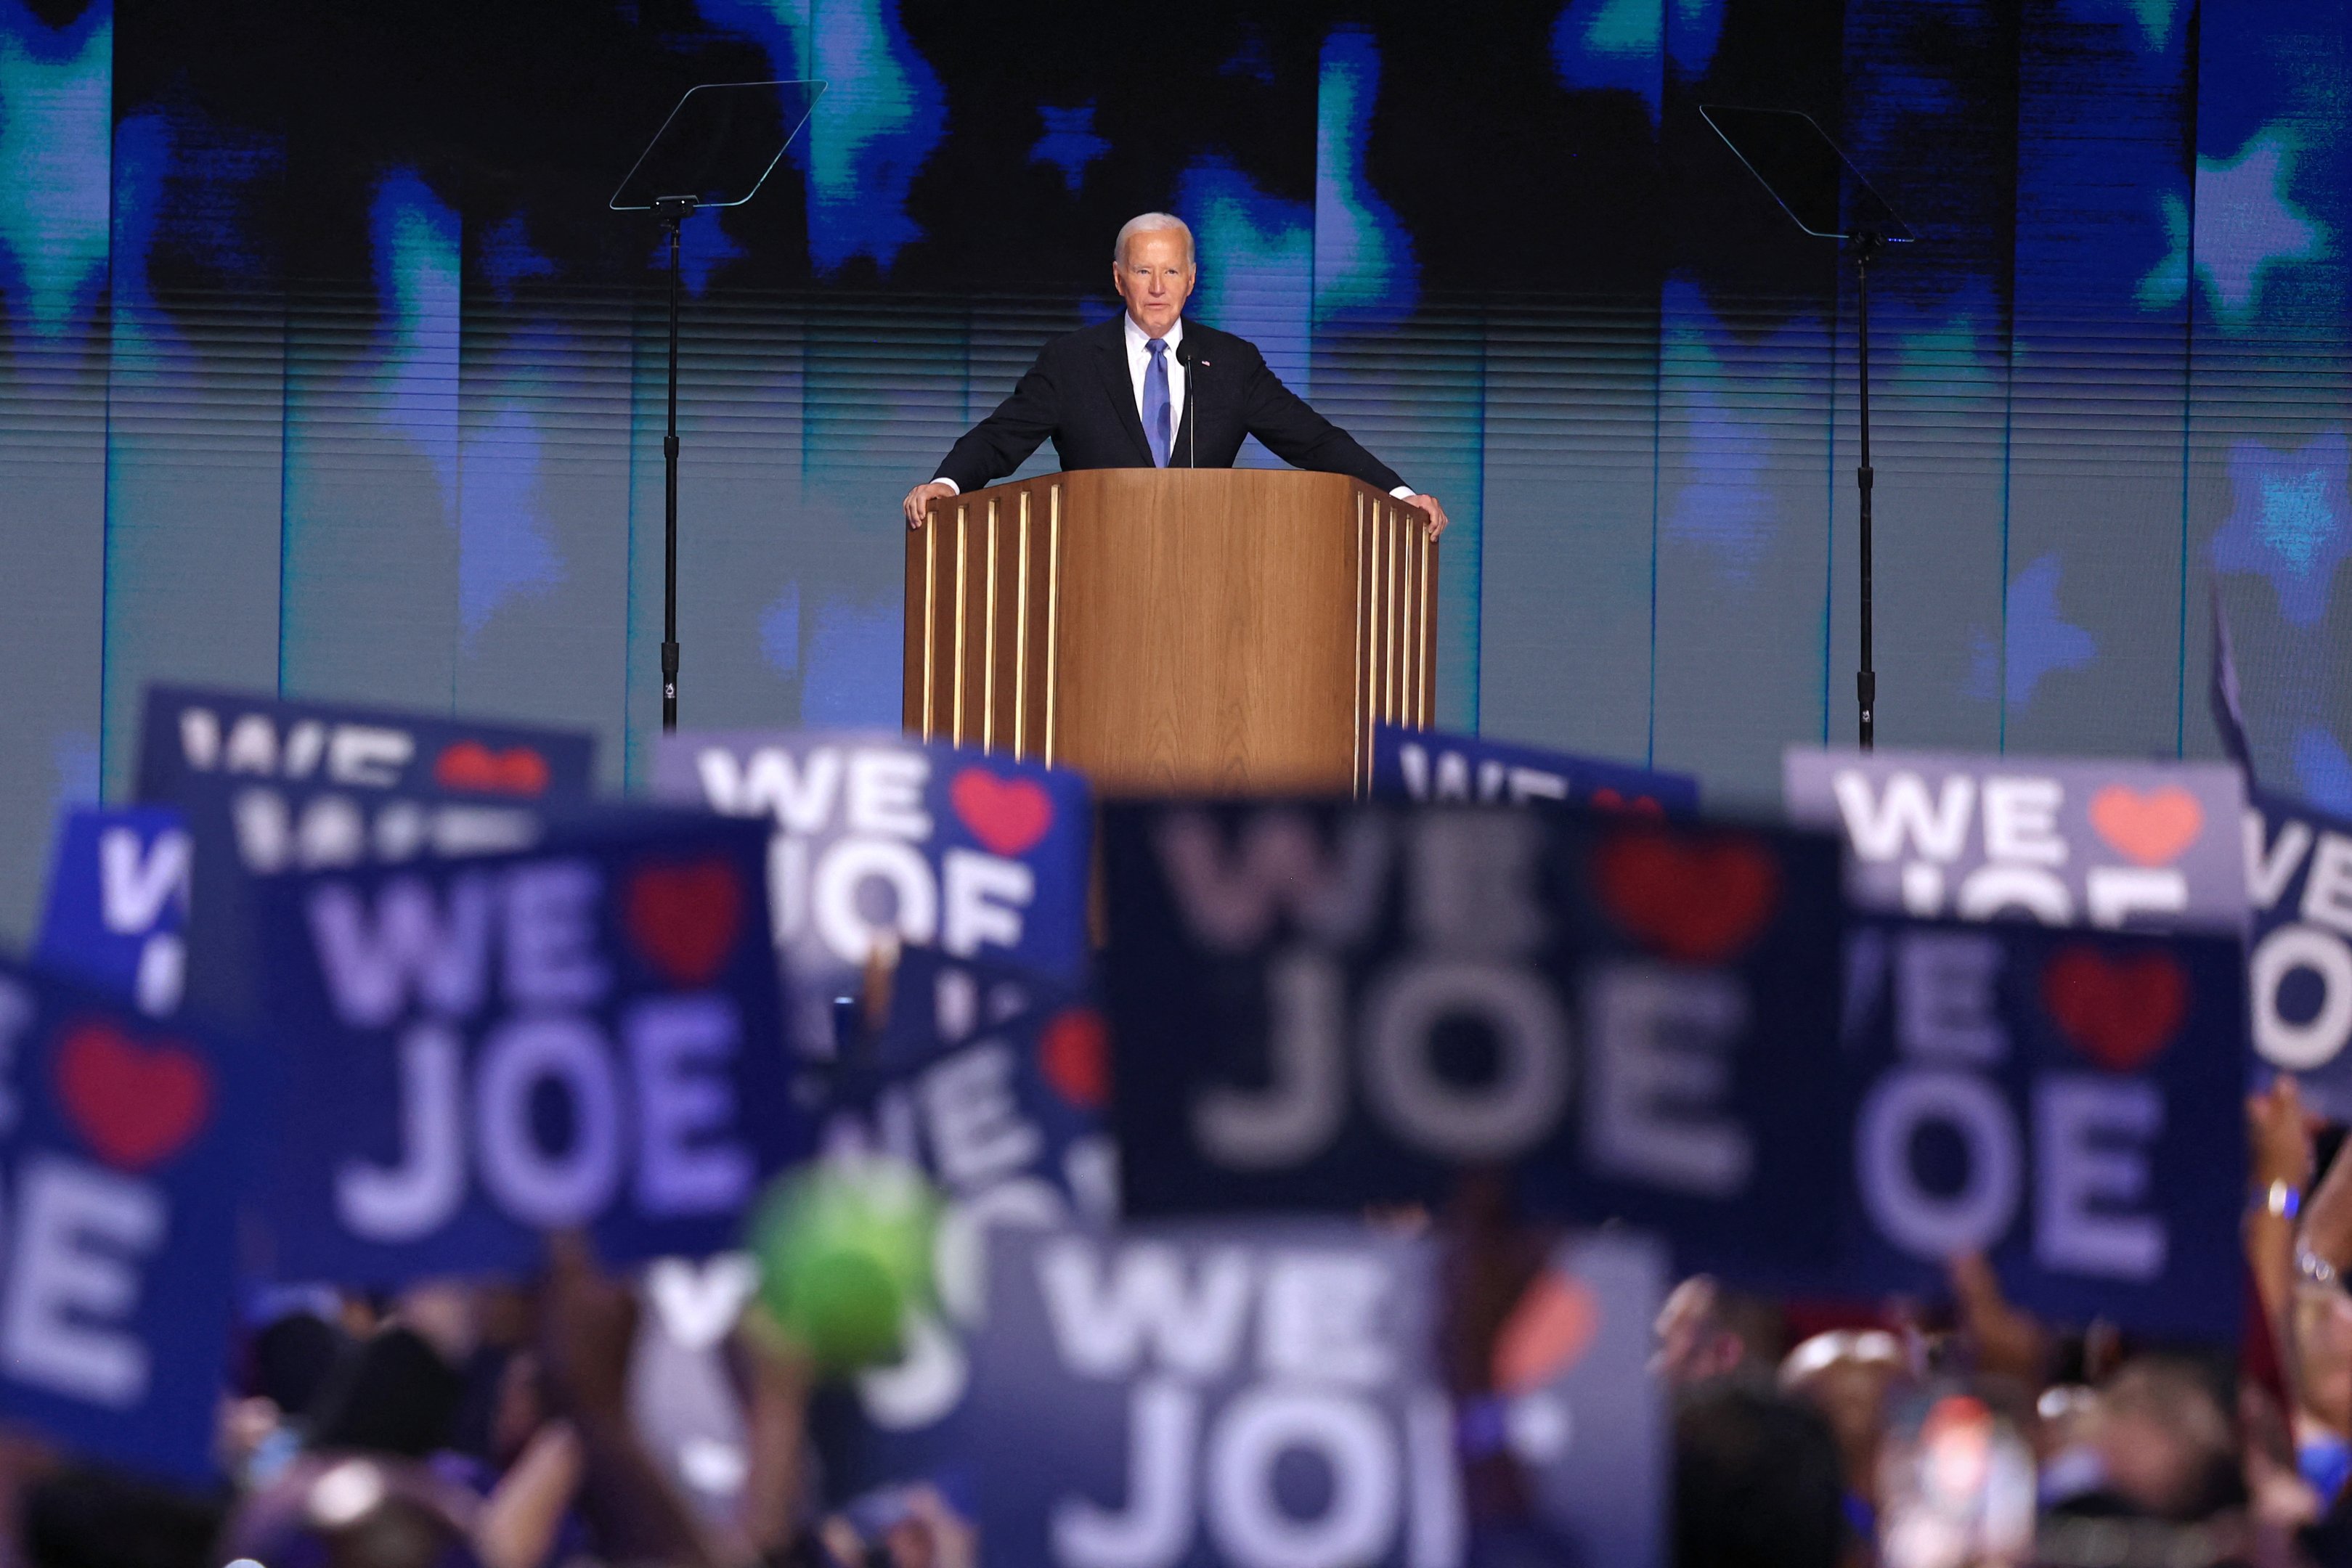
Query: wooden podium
[(1174, 631)]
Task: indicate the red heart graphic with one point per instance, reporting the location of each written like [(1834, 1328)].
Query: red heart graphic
[(2152, 828), (1074, 1053), (2119, 1012), (470, 764), (1698, 899), (685, 918), (1006, 815), (1607, 800), (135, 1103), (1554, 1323)]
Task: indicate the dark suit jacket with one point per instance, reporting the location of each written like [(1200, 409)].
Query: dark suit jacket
[(1081, 395)]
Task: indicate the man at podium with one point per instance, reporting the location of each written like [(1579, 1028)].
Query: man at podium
[(1107, 396)]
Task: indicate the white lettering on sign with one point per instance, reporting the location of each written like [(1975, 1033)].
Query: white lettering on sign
[(77, 1250), (412, 947), (366, 755), (1142, 1313), (669, 1070), (1447, 778), (1231, 897), (1879, 827), (2091, 1132), (874, 882), (136, 881), (1657, 1045), (2304, 1045), (1150, 1305)]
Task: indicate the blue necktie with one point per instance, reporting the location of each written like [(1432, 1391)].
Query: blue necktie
[(1155, 401)]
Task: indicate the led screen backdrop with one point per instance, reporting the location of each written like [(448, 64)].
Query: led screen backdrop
[(323, 367)]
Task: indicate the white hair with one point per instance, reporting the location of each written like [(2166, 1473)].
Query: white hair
[(1150, 222)]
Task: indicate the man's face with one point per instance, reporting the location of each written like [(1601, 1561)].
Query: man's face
[(1155, 277)]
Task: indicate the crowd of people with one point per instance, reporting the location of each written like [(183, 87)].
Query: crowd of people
[(498, 1426)]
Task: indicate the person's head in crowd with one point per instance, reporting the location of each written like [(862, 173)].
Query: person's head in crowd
[(2166, 1441), (1706, 1332), (1756, 1481), (352, 1511), (1848, 1375), (393, 1395), (85, 1517)]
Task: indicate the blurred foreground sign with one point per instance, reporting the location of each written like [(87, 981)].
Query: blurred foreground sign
[(1430, 767), (980, 857), (1269, 1393), (583, 1036), (125, 1149), (2142, 845), (2299, 870), (1326, 1006), (1006, 1121), (2068, 1103), (268, 786), (117, 910)]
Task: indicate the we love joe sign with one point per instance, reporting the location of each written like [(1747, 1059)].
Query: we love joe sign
[(582, 1036), (2122, 845), (877, 837), (122, 1146)]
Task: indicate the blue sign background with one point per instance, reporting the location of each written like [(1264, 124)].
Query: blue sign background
[(1423, 764), (1059, 1452), (1003, 851), (1560, 924), (118, 903), (678, 915), (110, 1124), (2019, 1033), (2300, 959), (191, 732), (1007, 1120)]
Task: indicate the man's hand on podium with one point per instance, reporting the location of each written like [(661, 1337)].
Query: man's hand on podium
[(1437, 519), (920, 499)]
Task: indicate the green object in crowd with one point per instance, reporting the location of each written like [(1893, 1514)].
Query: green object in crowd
[(845, 1251)]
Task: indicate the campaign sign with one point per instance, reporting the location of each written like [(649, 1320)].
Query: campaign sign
[(269, 786), (1425, 765), (188, 732), (118, 903), (2069, 1104), (2299, 872), (1323, 1005), (1007, 1122), (1576, 1412), (1249, 1395), (2144, 845), (586, 1036), (124, 1148), (980, 856), (939, 1002)]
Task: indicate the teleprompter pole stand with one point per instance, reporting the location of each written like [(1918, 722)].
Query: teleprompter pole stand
[(716, 149), (673, 211), (1803, 170), (1865, 242)]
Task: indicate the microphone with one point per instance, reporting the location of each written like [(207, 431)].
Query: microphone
[(1184, 356)]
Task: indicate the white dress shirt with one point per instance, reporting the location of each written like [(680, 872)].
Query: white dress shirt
[(1139, 365)]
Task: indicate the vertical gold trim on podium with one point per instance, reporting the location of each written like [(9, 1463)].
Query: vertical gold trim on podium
[(1053, 614), (955, 727), (988, 645), (931, 532), (1359, 766), (1020, 638)]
